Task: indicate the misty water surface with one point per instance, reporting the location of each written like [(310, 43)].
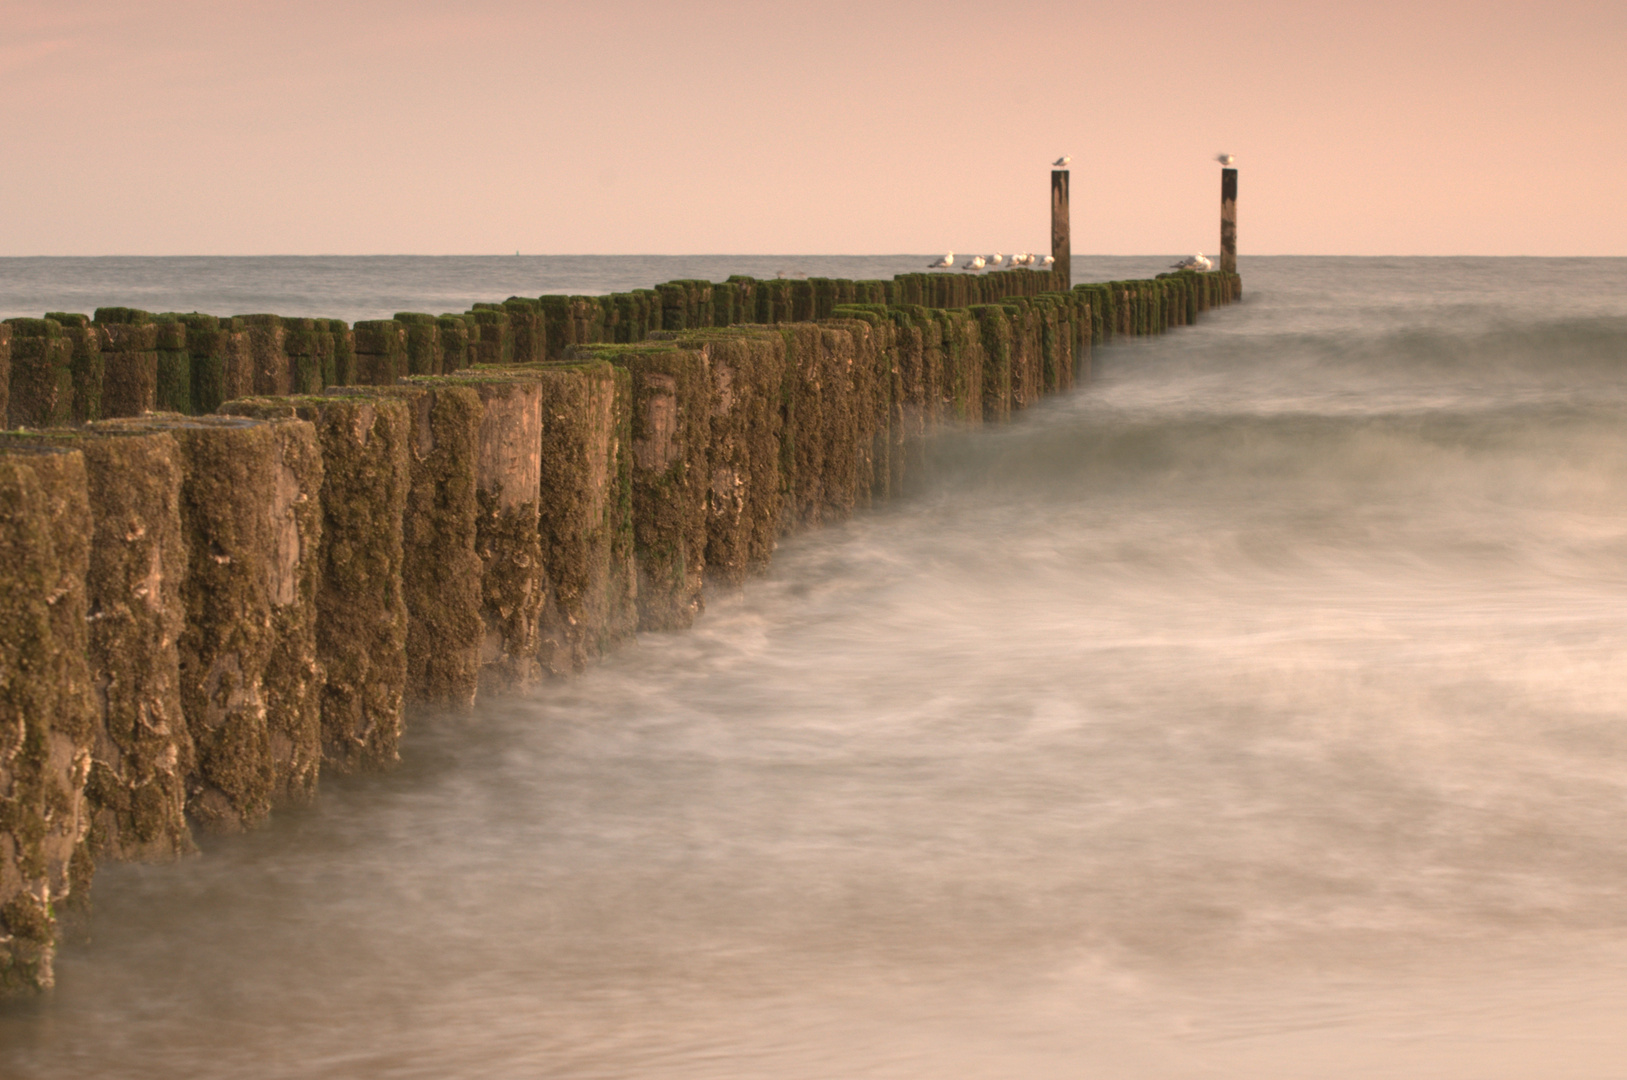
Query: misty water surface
[(1259, 711)]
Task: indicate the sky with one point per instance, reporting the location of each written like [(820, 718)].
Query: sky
[(175, 127)]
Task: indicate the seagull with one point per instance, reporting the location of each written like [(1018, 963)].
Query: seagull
[(974, 263), (1024, 259), (947, 261), (1061, 162), (1050, 260), (996, 259), (1225, 159), (1200, 261)]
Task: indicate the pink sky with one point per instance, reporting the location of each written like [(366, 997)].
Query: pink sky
[(830, 127)]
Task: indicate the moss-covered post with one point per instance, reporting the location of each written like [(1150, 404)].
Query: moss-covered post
[(129, 361), (238, 370), (143, 750), (381, 351), (251, 513), (440, 570), (344, 353), (994, 327), (453, 337), (5, 370), (41, 390), (361, 616), (1061, 229), (491, 340), (327, 352), (482, 446), (671, 419), (424, 352), (586, 520), (304, 356), (206, 353), (173, 392), (267, 360), (743, 481), (441, 567), (140, 751), (884, 389), (1228, 221), (528, 328), (86, 364), (45, 705)]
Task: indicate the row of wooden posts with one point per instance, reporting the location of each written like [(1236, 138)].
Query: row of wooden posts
[(235, 551)]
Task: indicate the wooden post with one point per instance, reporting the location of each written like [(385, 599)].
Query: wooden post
[(1228, 221), (1061, 239)]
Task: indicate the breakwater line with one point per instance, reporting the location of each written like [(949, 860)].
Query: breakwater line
[(237, 549)]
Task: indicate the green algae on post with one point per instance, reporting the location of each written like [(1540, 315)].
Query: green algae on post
[(46, 710), (440, 570), (300, 346), (129, 361), (586, 523), (381, 351), (206, 356), (453, 339), (172, 391), (491, 338), (361, 615), (268, 362), (86, 365), (251, 514), (507, 492), (41, 391), (424, 355), (671, 419), (141, 751)]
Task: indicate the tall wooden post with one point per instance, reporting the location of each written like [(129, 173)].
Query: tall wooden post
[(1228, 221), (1061, 239)]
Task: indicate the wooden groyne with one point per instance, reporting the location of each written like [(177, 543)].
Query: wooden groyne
[(235, 552)]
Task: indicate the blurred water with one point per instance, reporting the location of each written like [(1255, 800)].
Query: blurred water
[(1259, 711)]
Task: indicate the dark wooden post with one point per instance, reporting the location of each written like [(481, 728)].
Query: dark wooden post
[(1228, 221), (1061, 239)]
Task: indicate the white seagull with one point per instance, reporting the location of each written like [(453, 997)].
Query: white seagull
[(1225, 159), (996, 259), (1061, 162), (1050, 260), (974, 263), (1200, 261), (948, 261), (1024, 259)]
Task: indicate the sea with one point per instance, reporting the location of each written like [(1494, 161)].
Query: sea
[(1257, 710)]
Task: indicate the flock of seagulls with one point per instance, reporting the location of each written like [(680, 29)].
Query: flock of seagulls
[(979, 262), (1200, 261)]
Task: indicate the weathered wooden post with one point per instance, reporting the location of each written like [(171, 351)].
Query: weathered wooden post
[(1061, 237), (1228, 221)]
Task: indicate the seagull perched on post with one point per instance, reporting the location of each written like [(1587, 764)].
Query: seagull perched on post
[(1200, 261), (947, 262), (974, 263), (1225, 159), (996, 259), (1050, 260), (1061, 162)]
